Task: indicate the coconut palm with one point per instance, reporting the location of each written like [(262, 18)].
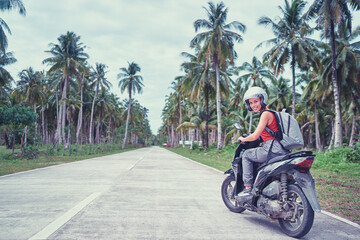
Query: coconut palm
[(98, 82), (5, 76), (132, 82), (179, 96), (29, 91), (279, 94), (68, 58), (348, 62), (218, 46), (255, 72), (199, 81), (28, 88), (8, 5), (330, 16), (312, 96), (290, 42)]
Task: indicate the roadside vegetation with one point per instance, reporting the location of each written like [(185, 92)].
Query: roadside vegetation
[(336, 174), (14, 162)]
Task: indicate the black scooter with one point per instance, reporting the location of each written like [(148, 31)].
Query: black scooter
[(283, 189)]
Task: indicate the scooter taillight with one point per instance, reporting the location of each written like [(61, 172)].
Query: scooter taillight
[(304, 163)]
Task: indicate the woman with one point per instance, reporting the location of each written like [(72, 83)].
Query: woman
[(256, 100)]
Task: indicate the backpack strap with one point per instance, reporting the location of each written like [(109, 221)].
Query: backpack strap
[(272, 133), (269, 152)]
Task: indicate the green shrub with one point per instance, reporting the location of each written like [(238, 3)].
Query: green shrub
[(195, 146), (213, 145), (346, 154), (342, 160)]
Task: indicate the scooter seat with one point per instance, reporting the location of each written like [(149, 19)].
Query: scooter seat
[(286, 157)]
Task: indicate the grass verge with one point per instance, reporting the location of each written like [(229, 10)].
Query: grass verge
[(12, 164), (337, 180)]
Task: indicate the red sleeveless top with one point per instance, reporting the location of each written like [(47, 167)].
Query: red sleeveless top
[(273, 126)]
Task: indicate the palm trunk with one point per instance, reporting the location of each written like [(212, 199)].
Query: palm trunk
[(92, 117), (317, 132), (63, 127), (332, 136), (109, 137), (218, 107), (13, 143), (98, 129), (69, 130), (172, 135), (80, 116), (58, 117), (207, 118), (180, 122), (62, 115), (127, 122), (293, 82), (338, 121), (7, 140), (353, 124), (353, 129), (43, 125), (192, 136), (36, 127), (63, 118), (23, 139), (25, 132)]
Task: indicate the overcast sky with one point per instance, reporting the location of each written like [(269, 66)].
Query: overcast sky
[(151, 33)]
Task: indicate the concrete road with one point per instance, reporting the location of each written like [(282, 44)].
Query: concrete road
[(144, 194)]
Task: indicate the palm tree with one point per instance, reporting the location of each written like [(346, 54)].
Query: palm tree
[(98, 82), (280, 93), (255, 72), (29, 90), (218, 46), (330, 16), (130, 81), (5, 76), (200, 80), (103, 106), (8, 5), (73, 103), (312, 95), (348, 62), (176, 85), (199, 119), (68, 58), (290, 41)]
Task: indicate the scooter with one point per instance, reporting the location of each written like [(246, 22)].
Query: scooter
[(283, 190)]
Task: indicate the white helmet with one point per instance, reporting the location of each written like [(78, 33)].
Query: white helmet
[(253, 93)]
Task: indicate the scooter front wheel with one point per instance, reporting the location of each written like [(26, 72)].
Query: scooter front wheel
[(227, 194)]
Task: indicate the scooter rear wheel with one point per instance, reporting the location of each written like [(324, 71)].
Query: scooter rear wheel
[(305, 214), (227, 194)]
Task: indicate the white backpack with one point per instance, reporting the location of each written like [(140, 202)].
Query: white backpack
[(289, 134)]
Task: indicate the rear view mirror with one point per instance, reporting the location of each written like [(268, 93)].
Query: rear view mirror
[(237, 126)]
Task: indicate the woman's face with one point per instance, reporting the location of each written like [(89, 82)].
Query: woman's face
[(255, 104)]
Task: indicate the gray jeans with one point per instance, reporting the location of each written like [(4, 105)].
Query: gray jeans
[(260, 155)]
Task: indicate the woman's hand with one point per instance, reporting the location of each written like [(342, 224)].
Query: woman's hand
[(241, 139)]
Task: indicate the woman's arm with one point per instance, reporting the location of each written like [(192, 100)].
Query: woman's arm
[(265, 119)]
